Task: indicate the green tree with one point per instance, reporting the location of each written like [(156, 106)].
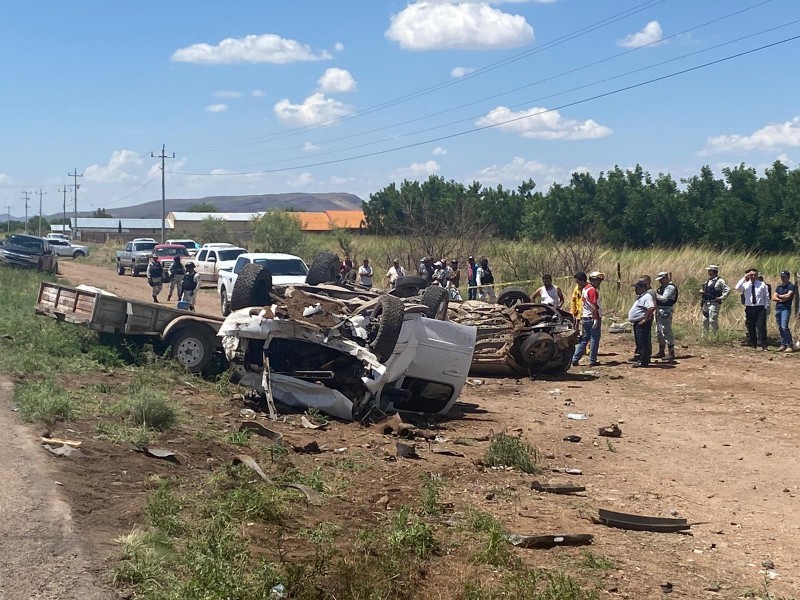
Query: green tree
[(202, 207), (278, 231), (215, 230), (101, 213)]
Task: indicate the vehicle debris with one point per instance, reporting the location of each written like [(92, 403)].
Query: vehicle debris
[(577, 416), (259, 429), (160, 453), (312, 496), (406, 451), (640, 523), (573, 439), (309, 425), (549, 541), (556, 488), (51, 440), (307, 448), (449, 453), (65, 450), (573, 471), (612, 431)]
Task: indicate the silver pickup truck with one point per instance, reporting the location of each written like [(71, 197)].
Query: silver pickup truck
[(135, 256)]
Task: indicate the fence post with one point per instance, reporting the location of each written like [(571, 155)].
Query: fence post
[(619, 277)]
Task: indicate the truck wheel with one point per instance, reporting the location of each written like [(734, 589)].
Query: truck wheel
[(385, 324), (193, 347), (436, 299), (560, 363), (512, 295), (134, 270), (252, 288), (225, 305), (324, 269), (405, 287), (538, 348), (120, 269)]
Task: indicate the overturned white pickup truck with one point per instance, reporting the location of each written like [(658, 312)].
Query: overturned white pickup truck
[(348, 352)]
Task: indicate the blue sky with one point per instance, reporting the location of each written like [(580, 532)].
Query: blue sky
[(236, 89)]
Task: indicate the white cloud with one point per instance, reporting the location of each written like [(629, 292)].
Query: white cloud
[(537, 123), (117, 169), (227, 94), (302, 180), (258, 93), (266, 48), (771, 137), (436, 26), (216, 108), (438, 151), (310, 147), (341, 180), (4, 178), (314, 110), (651, 34), (519, 169), (460, 72), (339, 47), (335, 80), (417, 170)]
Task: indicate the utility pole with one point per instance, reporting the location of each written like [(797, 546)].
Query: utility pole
[(75, 186), (41, 193), (64, 190), (26, 196), (163, 156), (8, 218)]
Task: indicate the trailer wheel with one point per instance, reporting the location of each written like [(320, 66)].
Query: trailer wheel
[(538, 349), (252, 288), (193, 347), (386, 322), (436, 299), (120, 269), (324, 269)]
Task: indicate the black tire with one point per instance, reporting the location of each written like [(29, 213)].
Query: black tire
[(405, 287), (560, 363), (252, 287), (512, 295), (538, 349), (79, 254), (385, 325), (134, 270), (120, 269), (436, 299), (324, 269), (225, 305), (40, 265), (193, 347)]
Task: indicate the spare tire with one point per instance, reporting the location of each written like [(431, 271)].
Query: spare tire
[(252, 288), (513, 295), (538, 348), (436, 299), (324, 269), (405, 287), (385, 324)]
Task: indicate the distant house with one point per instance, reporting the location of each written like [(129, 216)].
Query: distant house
[(62, 229), (190, 224), (100, 230)]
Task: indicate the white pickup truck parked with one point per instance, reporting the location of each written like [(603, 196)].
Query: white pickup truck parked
[(286, 269), (213, 257), (135, 256)]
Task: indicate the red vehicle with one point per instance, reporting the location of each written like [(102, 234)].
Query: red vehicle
[(166, 254)]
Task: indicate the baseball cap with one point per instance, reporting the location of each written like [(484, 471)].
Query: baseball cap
[(712, 268), (597, 275), (662, 274), (470, 257), (785, 273)]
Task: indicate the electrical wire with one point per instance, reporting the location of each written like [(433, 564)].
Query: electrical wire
[(508, 121)]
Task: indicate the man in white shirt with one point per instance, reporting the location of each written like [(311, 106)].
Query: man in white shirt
[(548, 294), (756, 300), (641, 315), (394, 273), (365, 274)]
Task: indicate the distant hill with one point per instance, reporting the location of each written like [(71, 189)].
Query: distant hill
[(262, 202)]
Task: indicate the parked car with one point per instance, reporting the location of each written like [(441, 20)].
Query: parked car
[(211, 258), (190, 245), (58, 236), (166, 253), (286, 269), (135, 256), (29, 251), (68, 249)]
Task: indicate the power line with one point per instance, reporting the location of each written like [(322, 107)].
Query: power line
[(8, 217), (41, 193), (64, 190), (133, 193), (26, 196), (75, 187), (516, 119), (163, 156)]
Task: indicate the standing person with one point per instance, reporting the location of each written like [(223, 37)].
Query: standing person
[(666, 297), (454, 281), (712, 295), (176, 273), (484, 281), (155, 277), (394, 273), (438, 277), (191, 283), (576, 301), (550, 294), (472, 279), (783, 297), (756, 300), (591, 317), (641, 315), (365, 274)]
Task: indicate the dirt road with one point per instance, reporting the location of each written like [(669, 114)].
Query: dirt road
[(41, 556)]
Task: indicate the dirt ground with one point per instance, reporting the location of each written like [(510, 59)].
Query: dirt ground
[(712, 439)]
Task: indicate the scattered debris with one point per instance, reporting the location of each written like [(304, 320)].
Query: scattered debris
[(624, 327), (65, 450), (666, 587), (472, 382), (612, 431), (640, 523), (449, 453), (160, 453), (573, 438), (309, 425), (573, 471), (768, 564), (307, 448), (49, 440), (577, 416), (312, 496), (259, 429), (555, 488), (406, 451), (549, 541), (555, 392), (247, 413)]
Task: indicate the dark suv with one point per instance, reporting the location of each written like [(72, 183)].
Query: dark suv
[(29, 251)]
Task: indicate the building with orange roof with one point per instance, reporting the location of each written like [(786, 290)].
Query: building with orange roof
[(346, 219)]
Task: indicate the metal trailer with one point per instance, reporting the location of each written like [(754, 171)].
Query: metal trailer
[(191, 337)]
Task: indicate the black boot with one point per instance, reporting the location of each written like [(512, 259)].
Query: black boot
[(660, 353), (671, 354)]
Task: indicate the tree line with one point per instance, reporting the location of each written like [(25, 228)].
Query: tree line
[(742, 210)]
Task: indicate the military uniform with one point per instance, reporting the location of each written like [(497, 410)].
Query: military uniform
[(713, 293), (666, 297)]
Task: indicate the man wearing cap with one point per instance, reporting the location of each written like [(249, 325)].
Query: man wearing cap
[(666, 297), (783, 297), (394, 273), (756, 300), (712, 294), (641, 315), (472, 279), (191, 281), (155, 277), (591, 315)]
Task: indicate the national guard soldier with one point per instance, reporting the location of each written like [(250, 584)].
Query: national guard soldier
[(666, 297), (712, 294)]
